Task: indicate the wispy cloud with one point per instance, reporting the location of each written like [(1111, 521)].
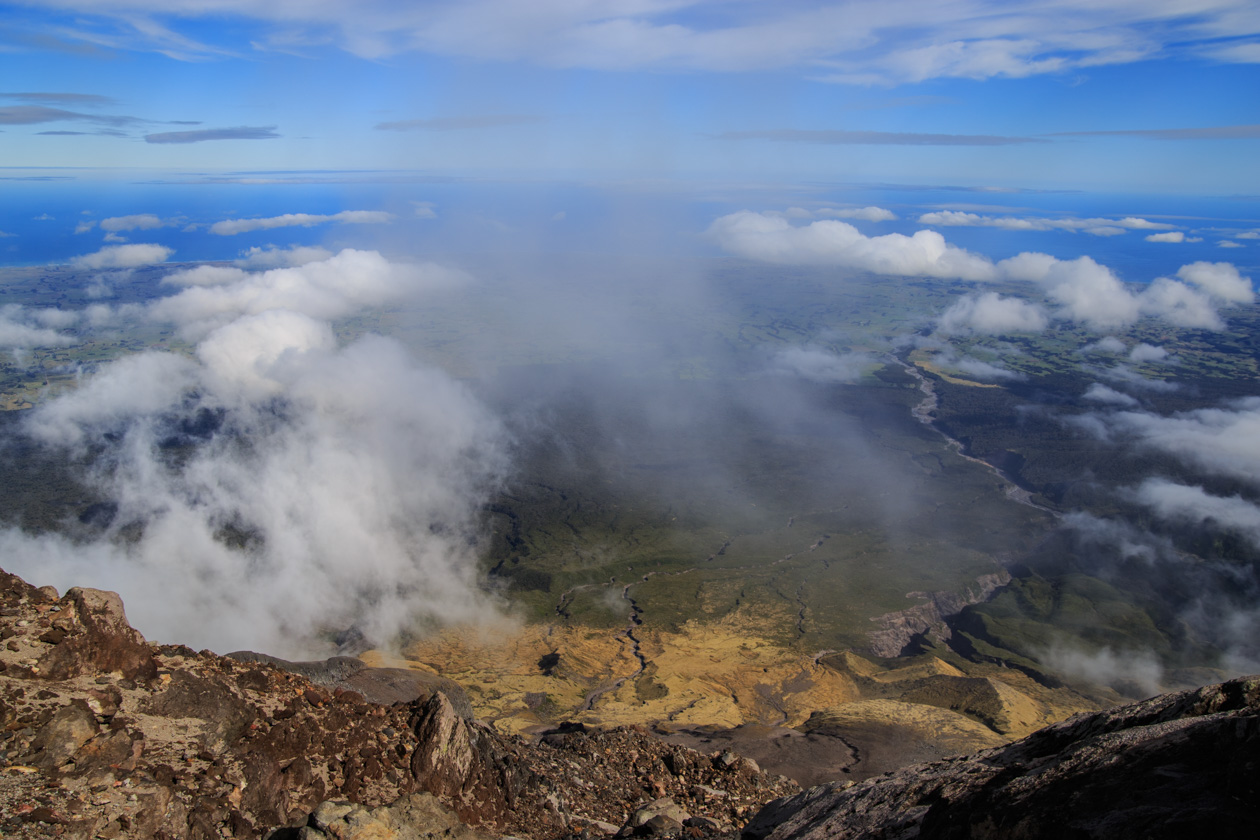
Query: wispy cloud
[(1220, 132), (244, 132), (875, 138), (1095, 226), (36, 114), (858, 42), (460, 123), (231, 227), (54, 98)]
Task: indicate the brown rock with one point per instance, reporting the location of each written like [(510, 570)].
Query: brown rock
[(100, 641), (59, 739)]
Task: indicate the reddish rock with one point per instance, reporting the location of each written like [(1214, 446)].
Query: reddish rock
[(98, 640)]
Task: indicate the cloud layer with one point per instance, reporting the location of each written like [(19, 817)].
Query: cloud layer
[(232, 227), (277, 489), (1083, 290)]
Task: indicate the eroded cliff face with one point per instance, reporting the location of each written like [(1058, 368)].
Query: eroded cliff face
[(106, 735), (1175, 766)]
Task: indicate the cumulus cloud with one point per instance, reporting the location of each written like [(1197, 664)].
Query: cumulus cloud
[(772, 238), (1222, 441), (1086, 292), (1169, 236), (22, 328), (141, 221), (231, 227), (1100, 393), (1106, 344), (1226, 243), (1143, 352), (1178, 304), (124, 256), (1193, 505), (818, 364), (344, 482), (1221, 280), (328, 289), (992, 314)]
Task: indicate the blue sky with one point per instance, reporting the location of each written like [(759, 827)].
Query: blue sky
[(1146, 96)]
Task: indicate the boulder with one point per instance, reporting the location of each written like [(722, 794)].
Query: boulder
[(97, 640)]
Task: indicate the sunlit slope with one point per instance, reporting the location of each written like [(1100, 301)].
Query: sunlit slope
[(724, 673)]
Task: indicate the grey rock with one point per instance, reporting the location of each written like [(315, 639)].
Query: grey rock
[(378, 685), (663, 807), (1174, 766)]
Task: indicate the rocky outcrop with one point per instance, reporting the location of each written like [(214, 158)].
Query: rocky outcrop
[(105, 735), (1175, 766), (899, 630), (378, 685)]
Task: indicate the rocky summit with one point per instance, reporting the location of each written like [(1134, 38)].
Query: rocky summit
[(106, 735)]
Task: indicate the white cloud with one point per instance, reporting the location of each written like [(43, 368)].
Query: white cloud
[(1107, 667), (867, 214), (23, 328), (1223, 441), (143, 221), (1133, 379), (992, 314), (984, 370), (820, 365), (772, 238), (124, 256), (205, 275), (1107, 344), (1086, 292), (1144, 352), (1181, 503), (1090, 293), (1097, 227), (328, 289), (1221, 280), (351, 477), (1225, 243), (1170, 236), (273, 257), (232, 227), (1100, 393), (1178, 304)]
